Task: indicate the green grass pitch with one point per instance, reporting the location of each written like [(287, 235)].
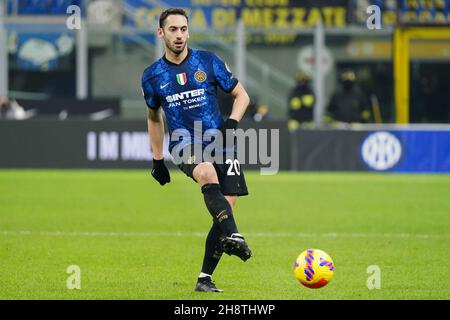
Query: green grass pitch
[(133, 239)]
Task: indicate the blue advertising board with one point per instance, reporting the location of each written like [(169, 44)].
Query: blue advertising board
[(407, 151)]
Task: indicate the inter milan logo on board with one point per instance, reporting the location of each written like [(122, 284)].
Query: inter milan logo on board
[(381, 151), (181, 78)]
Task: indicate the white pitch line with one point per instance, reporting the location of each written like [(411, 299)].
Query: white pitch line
[(203, 234)]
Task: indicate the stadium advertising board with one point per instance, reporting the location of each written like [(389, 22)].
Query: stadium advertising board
[(405, 12), (107, 144), (43, 52), (361, 150), (125, 144), (429, 12), (222, 16)]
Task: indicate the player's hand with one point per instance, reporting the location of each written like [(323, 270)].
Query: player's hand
[(228, 132), (160, 172)]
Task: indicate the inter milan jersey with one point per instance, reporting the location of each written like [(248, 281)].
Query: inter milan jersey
[(187, 92)]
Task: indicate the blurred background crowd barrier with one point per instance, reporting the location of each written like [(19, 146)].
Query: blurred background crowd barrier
[(311, 67)]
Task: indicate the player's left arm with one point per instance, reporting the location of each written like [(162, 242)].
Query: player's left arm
[(241, 102), (229, 84)]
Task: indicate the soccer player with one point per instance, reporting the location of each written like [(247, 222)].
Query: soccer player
[(184, 83)]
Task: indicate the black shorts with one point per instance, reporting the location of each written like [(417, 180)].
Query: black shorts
[(230, 174)]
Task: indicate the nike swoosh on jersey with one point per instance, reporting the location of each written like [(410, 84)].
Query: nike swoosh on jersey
[(163, 86)]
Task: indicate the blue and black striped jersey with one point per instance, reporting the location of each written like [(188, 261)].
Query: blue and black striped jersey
[(187, 92)]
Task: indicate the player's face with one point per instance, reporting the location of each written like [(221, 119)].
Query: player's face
[(175, 33)]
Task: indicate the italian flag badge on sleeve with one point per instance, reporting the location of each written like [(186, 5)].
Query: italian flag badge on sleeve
[(182, 78)]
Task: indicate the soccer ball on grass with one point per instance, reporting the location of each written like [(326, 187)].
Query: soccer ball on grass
[(314, 268)]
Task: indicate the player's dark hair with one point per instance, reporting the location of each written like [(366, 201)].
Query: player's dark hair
[(171, 11)]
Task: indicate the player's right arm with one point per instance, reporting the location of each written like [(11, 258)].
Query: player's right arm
[(155, 124)]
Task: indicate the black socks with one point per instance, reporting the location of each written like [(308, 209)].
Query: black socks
[(219, 208), (223, 224), (212, 250)]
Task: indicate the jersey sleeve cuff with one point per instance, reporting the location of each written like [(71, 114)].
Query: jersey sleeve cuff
[(151, 107), (232, 87)]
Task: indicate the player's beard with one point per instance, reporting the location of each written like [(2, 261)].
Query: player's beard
[(173, 48)]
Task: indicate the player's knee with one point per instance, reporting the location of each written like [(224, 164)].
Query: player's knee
[(231, 200), (205, 173)]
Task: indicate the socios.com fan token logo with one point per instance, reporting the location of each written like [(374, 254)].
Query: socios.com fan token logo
[(381, 151)]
